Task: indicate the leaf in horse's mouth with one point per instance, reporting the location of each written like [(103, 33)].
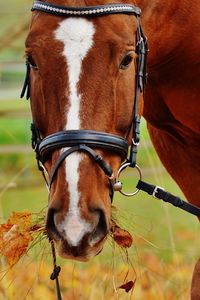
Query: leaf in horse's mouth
[(121, 236)]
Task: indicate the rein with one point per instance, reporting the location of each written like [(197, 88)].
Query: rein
[(87, 140)]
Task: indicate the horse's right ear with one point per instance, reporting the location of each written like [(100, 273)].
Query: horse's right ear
[(26, 86)]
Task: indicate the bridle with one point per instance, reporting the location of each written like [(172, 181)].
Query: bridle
[(87, 140)]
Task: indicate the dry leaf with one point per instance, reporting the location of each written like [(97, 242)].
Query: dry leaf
[(127, 286), (122, 237), (22, 219), (15, 244), (15, 236)]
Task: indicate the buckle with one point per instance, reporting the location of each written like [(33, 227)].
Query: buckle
[(155, 191)]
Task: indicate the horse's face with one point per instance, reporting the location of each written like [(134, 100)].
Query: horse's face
[(84, 80)]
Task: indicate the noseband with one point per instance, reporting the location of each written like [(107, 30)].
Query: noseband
[(88, 140)]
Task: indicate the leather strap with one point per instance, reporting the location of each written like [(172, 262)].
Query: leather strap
[(90, 138), (26, 85), (106, 168), (88, 11), (161, 194), (97, 158)]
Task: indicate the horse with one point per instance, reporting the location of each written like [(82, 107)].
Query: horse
[(81, 72), (171, 105), (82, 78)]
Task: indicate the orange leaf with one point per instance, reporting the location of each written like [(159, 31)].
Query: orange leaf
[(22, 219), (122, 237), (14, 245), (4, 228), (15, 236)]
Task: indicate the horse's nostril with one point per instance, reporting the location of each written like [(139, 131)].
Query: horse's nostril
[(50, 224), (101, 230)]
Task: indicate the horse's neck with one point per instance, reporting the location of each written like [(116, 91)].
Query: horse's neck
[(164, 23)]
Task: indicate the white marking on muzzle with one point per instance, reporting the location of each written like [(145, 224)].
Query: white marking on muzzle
[(77, 37)]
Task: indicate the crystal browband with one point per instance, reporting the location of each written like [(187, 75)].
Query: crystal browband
[(86, 11)]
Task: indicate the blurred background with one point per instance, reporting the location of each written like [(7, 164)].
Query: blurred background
[(166, 240)]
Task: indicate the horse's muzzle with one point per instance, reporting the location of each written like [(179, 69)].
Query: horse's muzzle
[(75, 243)]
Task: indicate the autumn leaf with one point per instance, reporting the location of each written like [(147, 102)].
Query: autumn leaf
[(15, 244), (22, 219), (122, 237), (15, 236), (127, 286)]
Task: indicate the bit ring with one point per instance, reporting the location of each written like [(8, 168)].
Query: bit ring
[(117, 182)]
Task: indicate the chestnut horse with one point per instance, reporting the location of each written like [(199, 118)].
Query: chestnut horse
[(82, 77), (81, 70), (172, 106)]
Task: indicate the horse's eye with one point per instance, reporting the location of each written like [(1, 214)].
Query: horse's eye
[(126, 61), (31, 62)]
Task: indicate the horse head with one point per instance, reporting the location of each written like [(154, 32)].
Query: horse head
[(82, 85)]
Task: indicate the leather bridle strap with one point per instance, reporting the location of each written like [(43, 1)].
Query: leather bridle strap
[(141, 79), (88, 11), (77, 140), (90, 138), (161, 194), (82, 148)]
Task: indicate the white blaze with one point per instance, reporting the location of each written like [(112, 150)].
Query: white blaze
[(77, 37)]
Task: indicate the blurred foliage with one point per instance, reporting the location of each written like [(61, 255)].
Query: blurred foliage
[(155, 281), (14, 19)]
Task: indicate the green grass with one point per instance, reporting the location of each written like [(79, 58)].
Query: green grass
[(11, 75), (14, 131), (11, 163), (14, 105), (22, 199), (10, 20)]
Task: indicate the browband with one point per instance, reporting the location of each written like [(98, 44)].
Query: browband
[(89, 11)]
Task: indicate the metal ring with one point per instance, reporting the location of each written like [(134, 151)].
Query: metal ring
[(124, 166)]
